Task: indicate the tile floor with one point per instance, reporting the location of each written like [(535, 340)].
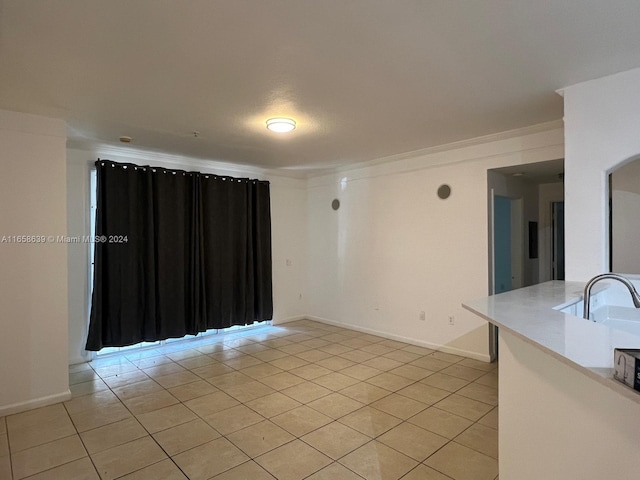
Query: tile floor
[(303, 400)]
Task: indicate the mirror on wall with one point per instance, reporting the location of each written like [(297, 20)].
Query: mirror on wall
[(624, 218)]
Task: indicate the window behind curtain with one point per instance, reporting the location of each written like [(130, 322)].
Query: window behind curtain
[(182, 252)]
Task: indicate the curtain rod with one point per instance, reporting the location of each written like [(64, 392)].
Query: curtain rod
[(176, 170)]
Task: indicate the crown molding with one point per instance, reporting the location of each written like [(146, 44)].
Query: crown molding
[(447, 147), (180, 161)]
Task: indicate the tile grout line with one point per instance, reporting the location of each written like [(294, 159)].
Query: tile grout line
[(81, 440)]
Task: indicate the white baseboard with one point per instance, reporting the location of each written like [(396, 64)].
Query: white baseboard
[(80, 359), (295, 318), (34, 403), (380, 333), (441, 348)]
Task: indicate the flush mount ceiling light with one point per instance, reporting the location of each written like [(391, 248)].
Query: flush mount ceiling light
[(281, 125)]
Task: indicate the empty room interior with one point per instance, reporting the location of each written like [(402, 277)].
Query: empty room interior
[(319, 240)]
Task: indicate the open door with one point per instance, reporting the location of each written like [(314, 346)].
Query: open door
[(502, 244), (508, 244)]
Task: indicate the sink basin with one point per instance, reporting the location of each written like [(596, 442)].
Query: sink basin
[(618, 318)]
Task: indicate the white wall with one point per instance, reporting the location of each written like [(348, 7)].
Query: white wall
[(288, 218), (625, 211), (394, 248), (33, 283), (547, 194), (78, 210), (601, 131)]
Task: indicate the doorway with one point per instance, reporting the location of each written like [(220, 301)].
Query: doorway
[(557, 244), (507, 243), (520, 228)]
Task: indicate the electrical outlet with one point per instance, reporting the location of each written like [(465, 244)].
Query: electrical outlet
[(289, 262), (452, 320), (423, 316)]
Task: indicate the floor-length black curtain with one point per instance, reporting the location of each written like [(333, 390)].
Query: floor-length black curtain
[(177, 253)]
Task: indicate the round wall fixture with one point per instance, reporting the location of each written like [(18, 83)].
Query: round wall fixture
[(444, 191), (281, 125), (335, 204)]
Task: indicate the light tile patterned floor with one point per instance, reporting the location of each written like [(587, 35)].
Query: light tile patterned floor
[(303, 400)]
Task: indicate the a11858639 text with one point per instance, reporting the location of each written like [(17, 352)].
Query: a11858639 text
[(35, 239)]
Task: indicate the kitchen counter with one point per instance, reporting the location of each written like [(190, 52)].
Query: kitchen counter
[(561, 413), (533, 314)]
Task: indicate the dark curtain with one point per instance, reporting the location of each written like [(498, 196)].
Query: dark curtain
[(177, 253)]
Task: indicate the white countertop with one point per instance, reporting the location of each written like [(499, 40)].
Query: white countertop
[(583, 345)]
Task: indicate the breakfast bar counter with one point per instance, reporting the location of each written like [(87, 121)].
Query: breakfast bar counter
[(562, 414)]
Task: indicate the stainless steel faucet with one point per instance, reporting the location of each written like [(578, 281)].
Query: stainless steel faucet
[(635, 296)]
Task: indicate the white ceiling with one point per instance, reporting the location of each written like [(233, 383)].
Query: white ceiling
[(541, 172), (364, 79)]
